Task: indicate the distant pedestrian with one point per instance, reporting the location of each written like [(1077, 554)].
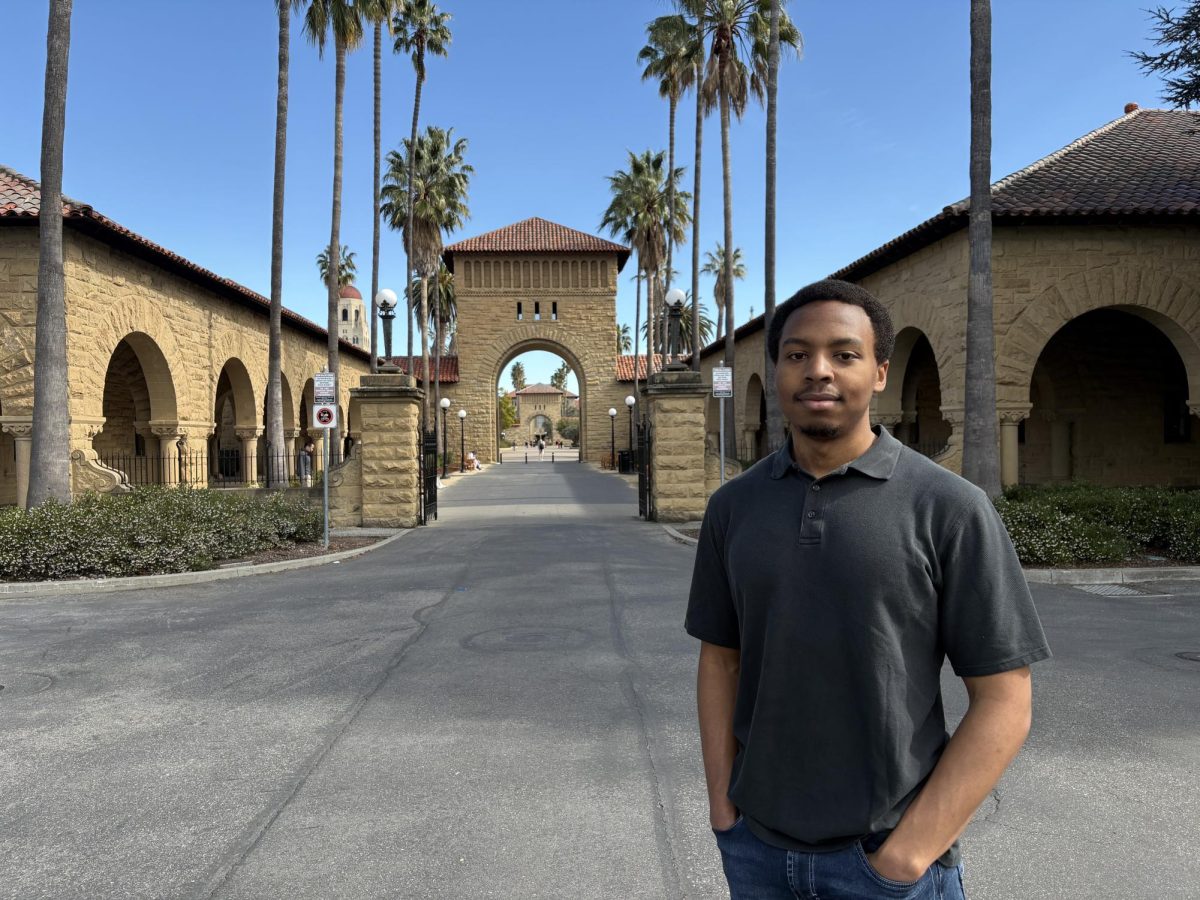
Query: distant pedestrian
[(831, 581), (541, 449), (304, 462)]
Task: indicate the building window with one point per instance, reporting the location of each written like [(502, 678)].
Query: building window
[(356, 342), (554, 311), (357, 315), (345, 315), (537, 311), (520, 315)]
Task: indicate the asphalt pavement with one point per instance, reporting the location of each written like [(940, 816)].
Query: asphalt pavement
[(501, 705)]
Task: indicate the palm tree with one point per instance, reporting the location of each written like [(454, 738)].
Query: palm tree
[(715, 265), (276, 464), (707, 329), (346, 266), (517, 376), (378, 13), (443, 313), (431, 202), (624, 341), (50, 472), (559, 378), (736, 68), (344, 20), (981, 461), (420, 29), (774, 421)]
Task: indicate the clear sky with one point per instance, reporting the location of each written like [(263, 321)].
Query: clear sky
[(171, 122)]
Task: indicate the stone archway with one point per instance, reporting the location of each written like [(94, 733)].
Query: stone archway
[(911, 403), (233, 447), (754, 420), (524, 344)]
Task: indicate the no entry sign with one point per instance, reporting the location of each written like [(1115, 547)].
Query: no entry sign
[(324, 415)]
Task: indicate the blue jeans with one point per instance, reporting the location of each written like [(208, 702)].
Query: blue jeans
[(758, 871)]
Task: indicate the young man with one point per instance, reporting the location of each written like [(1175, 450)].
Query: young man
[(831, 581)]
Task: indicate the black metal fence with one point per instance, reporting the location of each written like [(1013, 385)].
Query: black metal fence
[(219, 468)]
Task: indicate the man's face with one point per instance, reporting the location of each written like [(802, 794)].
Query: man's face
[(827, 371)]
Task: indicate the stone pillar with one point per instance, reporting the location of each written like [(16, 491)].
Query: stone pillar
[(390, 408), (675, 401), (890, 421), (1010, 449), (249, 438), (21, 428), (289, 448), (952, 459)]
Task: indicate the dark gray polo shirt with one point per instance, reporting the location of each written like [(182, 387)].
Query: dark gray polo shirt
[(844, 595)]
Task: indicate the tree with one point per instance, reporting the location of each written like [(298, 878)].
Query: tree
[(347, 268), (1181, 35), (624, 341), (774, 421), (736, 68), (420, 29), (379, 14), (517, 376), (568, 429), (506, 414), (981, 452), (559, 378), (425, 195), (715, 264), (344, 20), (50, 470), (707, 329), (443, 311), (276, 463)]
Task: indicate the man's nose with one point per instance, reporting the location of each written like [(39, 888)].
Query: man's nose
[(820, 368)]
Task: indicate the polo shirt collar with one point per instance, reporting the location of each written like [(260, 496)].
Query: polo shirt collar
[(878, 462)]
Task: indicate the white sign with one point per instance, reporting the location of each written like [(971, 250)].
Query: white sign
[(324, 388), (722, 381), (324, 415)]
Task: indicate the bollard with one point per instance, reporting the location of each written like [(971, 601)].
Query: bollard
[(551, 457), (526, 457)]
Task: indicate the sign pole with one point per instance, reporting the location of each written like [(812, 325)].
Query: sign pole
[(722, 388), (325, 484), (722, 405)]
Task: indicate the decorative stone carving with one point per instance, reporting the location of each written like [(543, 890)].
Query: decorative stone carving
[(248, 434), (1012, 415), (89, 474), (17, 428)]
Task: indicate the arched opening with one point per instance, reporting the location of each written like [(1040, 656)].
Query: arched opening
[(8, 466), (541, 397), (235, 427), (138, 391), (1109, 398), (921, 424), (753, 446), (283, 454)]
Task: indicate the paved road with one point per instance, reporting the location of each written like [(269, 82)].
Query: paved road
[(501, 706)]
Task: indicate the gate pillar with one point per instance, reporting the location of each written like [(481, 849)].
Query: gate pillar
[(675, 402), (390, 456)]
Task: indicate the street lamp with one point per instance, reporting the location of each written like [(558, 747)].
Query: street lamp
[(629, 402), (674, 299), (386, 301), (462, 441), (612, 427), (445, 405)]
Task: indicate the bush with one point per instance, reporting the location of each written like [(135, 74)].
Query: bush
[(152, 530), (1071, 524)]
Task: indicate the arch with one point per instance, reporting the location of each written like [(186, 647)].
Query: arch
[(285, 400), (1160, 298), (138, 393), (754, 417), (234, 378), (523, 342)]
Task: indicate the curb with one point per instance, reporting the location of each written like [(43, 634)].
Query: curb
[(175, 579), (1065, 576)]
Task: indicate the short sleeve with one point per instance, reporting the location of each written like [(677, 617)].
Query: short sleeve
[(986, 621), (711, 614)]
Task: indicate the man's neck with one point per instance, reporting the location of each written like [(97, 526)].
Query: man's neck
[(820, 457)]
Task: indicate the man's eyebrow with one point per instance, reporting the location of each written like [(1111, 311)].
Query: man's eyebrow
[(838, 342)]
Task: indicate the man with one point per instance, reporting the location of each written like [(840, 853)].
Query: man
[(831, 581)]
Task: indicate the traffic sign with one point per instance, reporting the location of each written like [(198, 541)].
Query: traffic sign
[(324, 415), (722, 381), (325, 388)]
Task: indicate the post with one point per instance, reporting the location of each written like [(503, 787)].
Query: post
[(444, 452), (325, 484), (462, 446)]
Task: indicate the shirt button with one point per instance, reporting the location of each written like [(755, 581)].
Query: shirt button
[(816, 487), (811, 514)]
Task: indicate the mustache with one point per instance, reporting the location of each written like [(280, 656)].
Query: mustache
[(816, 395)]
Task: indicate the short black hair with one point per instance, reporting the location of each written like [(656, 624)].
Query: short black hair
[(841, 292)]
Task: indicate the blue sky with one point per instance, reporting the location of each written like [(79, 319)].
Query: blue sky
[(170, 123)]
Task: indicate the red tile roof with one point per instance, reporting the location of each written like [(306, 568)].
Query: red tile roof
[(625, 366), (535, 235), (21, 201), (1146, 164), (447, 371), (543, 389)]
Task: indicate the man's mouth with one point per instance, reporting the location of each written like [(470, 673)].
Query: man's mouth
[(818, 401)]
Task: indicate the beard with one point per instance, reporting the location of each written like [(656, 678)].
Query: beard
[(820, 432)]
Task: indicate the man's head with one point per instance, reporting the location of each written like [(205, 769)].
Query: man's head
[(831, 343)]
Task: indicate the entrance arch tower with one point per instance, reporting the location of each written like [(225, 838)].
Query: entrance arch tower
[(536, 285)]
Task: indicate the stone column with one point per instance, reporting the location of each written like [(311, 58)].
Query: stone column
[(675, 401), (249, 438), (289, 448), (889, 420), (21, 428), (390, 421), (954, 447), (1010, 449)]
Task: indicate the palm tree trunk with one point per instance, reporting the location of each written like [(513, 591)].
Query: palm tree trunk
[(696, 223), (425, 374), (408, 225), (437, 367), (637, 326), (981, 457), (339, 95), (674, 102), (774, 423), (651, 336), (375, 191), (730, 350), (50, 472), (276, 463), (719, 299)]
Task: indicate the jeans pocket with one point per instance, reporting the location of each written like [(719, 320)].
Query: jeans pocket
[(724, 832), (894, 888)]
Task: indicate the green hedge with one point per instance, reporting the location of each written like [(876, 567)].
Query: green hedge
[(148, 531), (1083, 524)]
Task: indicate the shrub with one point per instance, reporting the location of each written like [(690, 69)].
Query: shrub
[(148, 531)]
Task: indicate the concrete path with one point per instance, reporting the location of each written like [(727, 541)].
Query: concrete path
[(500, 705)]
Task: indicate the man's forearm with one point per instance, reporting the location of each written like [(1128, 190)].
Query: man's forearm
[(716, 696), (987, 740)]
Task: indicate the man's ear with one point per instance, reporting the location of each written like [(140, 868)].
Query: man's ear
[(881, 376)]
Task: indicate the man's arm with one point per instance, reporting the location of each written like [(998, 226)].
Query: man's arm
[(716, 695), (993, 730)]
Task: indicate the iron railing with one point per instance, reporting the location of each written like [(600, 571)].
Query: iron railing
[(217, 468)]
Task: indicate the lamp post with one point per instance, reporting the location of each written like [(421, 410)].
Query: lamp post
[(445, 405), (385, 300), (674, 298), (629, 403), (612, 427), (462, 441)]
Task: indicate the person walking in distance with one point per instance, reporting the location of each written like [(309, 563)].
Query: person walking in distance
[(541, 449), (830, 582), (304, 462)]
